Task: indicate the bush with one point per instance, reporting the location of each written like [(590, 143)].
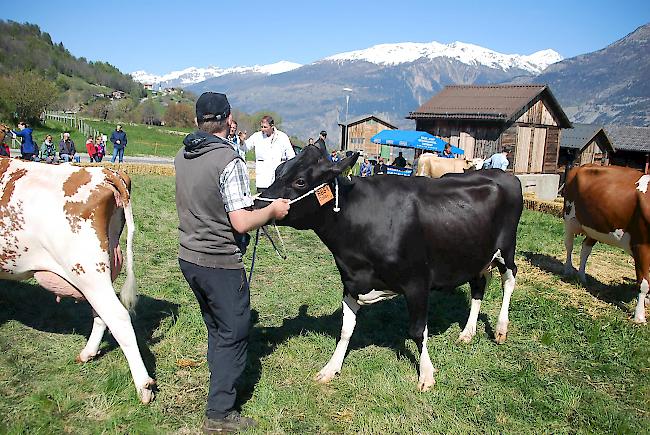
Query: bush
[(26, 94), (179, 115)]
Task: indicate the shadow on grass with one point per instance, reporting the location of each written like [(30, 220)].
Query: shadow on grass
[(383, 324), (612, 294), (37, 308)]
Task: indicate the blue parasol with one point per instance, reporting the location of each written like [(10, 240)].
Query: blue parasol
[(412, 139)]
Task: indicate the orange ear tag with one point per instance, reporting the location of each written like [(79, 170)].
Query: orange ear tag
[(324, 194)]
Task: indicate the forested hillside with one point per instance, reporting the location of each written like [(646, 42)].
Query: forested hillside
[(38, 74), (26, 47)]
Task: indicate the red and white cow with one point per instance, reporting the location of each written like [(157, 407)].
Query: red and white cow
[(609, 204), (61, 224)]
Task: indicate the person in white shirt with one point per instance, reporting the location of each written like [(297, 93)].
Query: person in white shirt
[(271, 146), (497, 160)]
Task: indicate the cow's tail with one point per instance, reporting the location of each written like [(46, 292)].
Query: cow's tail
[(128, 294), (122, 185)]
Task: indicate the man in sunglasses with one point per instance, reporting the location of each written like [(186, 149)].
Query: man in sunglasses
[(272, 147)]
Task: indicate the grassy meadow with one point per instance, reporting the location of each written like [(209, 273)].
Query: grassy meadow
[(573, 362), (143, 140)]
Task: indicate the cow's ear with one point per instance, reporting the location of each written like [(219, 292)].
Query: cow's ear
[(345, 163)]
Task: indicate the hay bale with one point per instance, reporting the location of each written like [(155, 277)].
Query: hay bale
[(136, 168), (554, 208)]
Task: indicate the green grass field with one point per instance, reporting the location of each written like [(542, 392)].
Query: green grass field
[(143, 140), (573, 361), (147, 140)]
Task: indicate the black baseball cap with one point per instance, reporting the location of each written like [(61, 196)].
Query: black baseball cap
[(212, 106), (323, 133)]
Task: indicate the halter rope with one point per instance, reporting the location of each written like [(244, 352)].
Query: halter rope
[(304, 195)]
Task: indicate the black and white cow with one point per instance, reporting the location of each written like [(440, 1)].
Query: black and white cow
[(411, 234)]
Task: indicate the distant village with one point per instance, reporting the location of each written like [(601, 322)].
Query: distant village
[(118, 95)]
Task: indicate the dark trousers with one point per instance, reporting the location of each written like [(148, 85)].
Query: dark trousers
[(224, 298)]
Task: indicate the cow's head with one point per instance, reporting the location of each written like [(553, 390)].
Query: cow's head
[(475, 164), (299, 176)]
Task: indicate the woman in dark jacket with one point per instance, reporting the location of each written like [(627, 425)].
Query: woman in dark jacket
[(27, 148)]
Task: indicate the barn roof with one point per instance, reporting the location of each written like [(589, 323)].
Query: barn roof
[(581, 135), (502, 103), (364, 118), (629, 138)]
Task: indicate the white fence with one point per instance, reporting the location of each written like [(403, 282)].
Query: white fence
[(74, 122)]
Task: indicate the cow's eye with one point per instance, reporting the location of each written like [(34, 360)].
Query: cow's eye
[(300, 183)]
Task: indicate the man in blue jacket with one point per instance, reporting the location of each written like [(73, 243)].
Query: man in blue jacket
[(27, 147), (119, 143)]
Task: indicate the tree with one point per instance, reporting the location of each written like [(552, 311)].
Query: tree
[(99, 108), (27, 94), (179, 115), (149, 113)]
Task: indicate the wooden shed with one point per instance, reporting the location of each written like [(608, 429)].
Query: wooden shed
[(584, 143), (356, 134), (632, 146), (482, 120)]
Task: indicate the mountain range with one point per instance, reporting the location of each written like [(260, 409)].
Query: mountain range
[(608, 86), (389, 80)]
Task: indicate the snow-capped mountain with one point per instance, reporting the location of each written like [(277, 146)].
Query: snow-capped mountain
[(192, 75), (383, 55), (469, 54), (387, 79)]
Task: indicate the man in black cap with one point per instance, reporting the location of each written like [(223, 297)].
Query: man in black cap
[(321, 139), (213, 202)]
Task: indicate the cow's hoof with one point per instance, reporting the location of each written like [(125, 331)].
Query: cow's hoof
[(639, 321), (84, 358), (465, 337), (147, 391), (325, 375), (501, 333), (425, 383)]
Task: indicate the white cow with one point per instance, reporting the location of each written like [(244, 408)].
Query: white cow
[(61, 224)]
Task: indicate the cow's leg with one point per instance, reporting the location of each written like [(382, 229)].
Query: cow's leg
[(62, 288), (104, 301), (95, 339), (418, 306), (569, 236), (478, 286), (587, 246), (641, 254), (350, 309), (508, 270)]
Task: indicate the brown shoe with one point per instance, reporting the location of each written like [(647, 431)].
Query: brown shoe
[(232, 422)]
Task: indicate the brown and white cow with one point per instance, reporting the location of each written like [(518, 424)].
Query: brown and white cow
[(432, 166), (609, 204), (61, 224)]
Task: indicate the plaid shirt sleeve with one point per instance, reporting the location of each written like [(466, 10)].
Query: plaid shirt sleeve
[(234, 186)]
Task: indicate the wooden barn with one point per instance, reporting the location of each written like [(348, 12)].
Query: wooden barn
[(356, 134), (482, 120), (584, 143), (632, 146)]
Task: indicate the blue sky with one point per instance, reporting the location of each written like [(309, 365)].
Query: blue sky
[(164, 36)]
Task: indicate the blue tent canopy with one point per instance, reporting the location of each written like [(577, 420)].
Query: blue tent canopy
[(412, 139)]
